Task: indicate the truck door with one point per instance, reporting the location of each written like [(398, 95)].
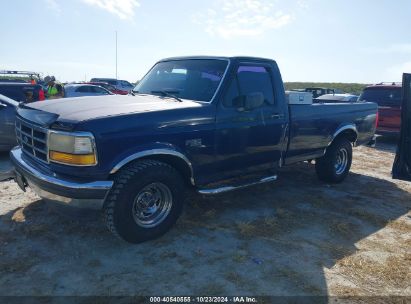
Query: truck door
[(402, 164), (250, 121), (7, 125)]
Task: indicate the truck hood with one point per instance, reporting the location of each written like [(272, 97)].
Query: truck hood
[(86, 108)]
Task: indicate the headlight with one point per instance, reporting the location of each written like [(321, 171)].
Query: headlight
[(72, 149)]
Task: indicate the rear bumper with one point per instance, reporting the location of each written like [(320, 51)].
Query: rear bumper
[(90, 195), (373, 141)]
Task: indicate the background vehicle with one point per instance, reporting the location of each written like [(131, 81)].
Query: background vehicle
[(81, 90), (109, 87), (22, 92), (337, 98), (388, 98), (122, 85), (402, 164), (210, 123), (317, 92), (7, 123)]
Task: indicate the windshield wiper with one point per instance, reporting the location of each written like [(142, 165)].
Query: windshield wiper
[(168, 94)]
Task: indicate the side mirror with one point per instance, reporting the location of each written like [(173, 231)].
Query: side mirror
[(253, 100)]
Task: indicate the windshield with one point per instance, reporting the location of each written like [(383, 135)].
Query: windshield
[(195, 79), (382, 96)]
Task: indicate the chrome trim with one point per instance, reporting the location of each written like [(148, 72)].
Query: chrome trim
[(152, 152), (19, 132), (222, 79), (97, 185), (96, 204), (46, 142), (230, 188), (75, 134), (351, 127)]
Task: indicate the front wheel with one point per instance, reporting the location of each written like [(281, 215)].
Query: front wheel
[(334, 166), (145, 201)]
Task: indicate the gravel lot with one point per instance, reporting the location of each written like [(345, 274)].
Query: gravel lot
[(296, 236)]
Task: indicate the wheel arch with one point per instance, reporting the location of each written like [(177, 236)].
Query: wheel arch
[(349, 132), (174, 158)]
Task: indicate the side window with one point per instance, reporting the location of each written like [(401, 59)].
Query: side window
[(249, 80), (256, 79), (97, 90), (83, 89)]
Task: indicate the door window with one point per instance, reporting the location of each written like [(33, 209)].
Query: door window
[(98, 90), (84, 89), (249, 80)]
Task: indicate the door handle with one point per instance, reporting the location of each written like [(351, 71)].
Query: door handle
[(277, 116)]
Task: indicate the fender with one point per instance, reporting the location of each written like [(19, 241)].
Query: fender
[(343, 128), (152, 152)]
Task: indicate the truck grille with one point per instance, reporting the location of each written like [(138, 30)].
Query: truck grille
[(32, 139)]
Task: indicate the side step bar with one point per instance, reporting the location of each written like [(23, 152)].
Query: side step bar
[(230, 188)]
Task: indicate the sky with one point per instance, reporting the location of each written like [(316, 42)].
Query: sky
[(362, 41)]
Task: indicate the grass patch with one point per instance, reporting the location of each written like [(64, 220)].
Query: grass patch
[(263, 227), (239, 258), (344, 228), (394, 271), (400, 225), (371, 218), (235, 278)]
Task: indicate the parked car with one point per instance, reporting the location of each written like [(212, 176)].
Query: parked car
[(109, 87), (337, 98), (388, 98), (7, 123), (122, 85), (81, 90), (22, 91), (212, 124)]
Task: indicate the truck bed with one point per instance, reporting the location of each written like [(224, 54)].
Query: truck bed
[(312, 127)]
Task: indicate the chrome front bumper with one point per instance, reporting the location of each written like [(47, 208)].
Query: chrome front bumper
[(49, 186)]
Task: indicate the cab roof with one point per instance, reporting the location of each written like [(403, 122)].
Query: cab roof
[(234, 58)]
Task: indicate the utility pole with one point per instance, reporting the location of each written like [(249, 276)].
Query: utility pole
[(116, 54)]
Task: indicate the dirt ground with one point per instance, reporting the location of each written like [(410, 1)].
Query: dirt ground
[(296, 236)]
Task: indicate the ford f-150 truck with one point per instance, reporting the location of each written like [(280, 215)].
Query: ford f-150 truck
[(210, 123)]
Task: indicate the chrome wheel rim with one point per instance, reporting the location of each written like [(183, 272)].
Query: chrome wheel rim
[(341, 162), (152, 205)]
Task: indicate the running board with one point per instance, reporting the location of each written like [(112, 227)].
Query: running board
[(230, 188)]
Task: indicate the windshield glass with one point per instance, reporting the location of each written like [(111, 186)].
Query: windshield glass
[(382, 96), (195, 79)]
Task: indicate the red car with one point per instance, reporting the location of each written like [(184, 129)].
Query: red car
[(109, 87), (388, 98)]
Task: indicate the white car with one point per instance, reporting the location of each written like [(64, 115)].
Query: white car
[(80, 90), (122, 85), (337, 98)]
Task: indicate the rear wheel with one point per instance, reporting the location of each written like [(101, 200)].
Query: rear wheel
[(145, 201), (334, 166)]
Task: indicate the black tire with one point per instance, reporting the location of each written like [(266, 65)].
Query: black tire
[(334, 166), (131, 188)]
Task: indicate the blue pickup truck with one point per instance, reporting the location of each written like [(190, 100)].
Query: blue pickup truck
[(212, 124)]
